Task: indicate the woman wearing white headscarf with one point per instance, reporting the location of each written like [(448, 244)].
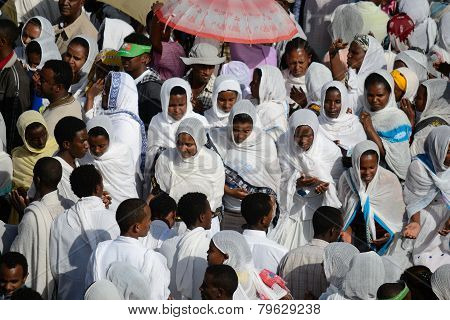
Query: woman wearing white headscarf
[(371, 199), (113, 159), (385, 124), (425, 29), (413, 60), (241, 72), (311, 166), (364, 277), (336, 262), (163, 127), (230, 248), (336, 124), (112, 32), (28, 33), (49, 51), (268, 88), (316, 77), (440, 282), (191, 167), (217, 116), (130, 283), (432, 106), (251, 165), (427, 198)]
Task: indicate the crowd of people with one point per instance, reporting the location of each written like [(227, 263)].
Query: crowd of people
[(141, 162)]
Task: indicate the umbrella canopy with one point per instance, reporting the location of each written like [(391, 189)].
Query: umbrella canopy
[(137, 9), (239, 21)]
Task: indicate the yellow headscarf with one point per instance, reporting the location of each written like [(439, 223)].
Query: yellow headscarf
[(399, 79), (25, 157)]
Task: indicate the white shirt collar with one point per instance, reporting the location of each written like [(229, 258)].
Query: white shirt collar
[(138, 79), (254, 233)]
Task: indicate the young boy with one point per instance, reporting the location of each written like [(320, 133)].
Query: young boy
[(394, 291), (13, 274), (220, 283)]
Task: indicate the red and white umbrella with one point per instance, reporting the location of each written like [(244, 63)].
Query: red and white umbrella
[(239, 21)]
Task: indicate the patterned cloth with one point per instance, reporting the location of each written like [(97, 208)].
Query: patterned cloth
[(205, 97), (169, 64)]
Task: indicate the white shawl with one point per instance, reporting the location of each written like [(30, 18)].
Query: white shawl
[(64, 187), (7, 169), (215, 116), (290, 81), (49, 51), (346, 127), (416, 62), (394, 129), (440, 282), (114, 31), (381, 201), (47, 33), (316, 77), (412, 83)]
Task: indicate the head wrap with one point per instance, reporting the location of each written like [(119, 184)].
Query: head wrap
[(400, 28), (316, 77), (49, 51), (363, 41), (412, 83), (416, 62), (399, 80), (440, 282), (337, 257)]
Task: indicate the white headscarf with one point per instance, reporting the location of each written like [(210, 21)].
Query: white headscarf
[(441, 50), (130, 283), (250, 287), (114, 31), (241, 72), (291, 81), (394, 129), (346, 23), (316, 77), (102, 290), (49, 51), (215, 116), (47, 33), (440, 282), (416, 62), (438, 100), (381, 201), (346, 127), (365, 276), (412, 83), (7, 168)]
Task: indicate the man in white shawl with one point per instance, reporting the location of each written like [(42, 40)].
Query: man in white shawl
[(34, 229), (226, 92), (311, 166), (74, 234), (133, 217), (191, 167), (427, 197)]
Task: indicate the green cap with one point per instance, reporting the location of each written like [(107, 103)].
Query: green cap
[(131, 50)]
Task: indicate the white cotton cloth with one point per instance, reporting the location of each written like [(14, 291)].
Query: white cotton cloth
[(412, 83), (425, 29), (373, 60), (215, 116), (375, 20), (393, 127), (323, 161), (113, 31), (437, 105), (416, 62), (290, 81), (441, 50), (440, 282), (427, 190), (49, 51), (102, 290), (381, 201), (346, 23), (129, 281), (241, 73), (158, 233), (6, 172), (77, 89), (346, 127), (150, 264), (8, 233), (255, 159), (115, 165), (203, 172), (272, 109), (336, 263), (251, 286), (33, 241), (64, 187), (316, 77), (364, 277), (47, 33), (393, 267), (74, 235)]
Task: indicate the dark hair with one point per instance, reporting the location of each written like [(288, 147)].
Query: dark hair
[(62, 73), (162, 205), (255, 206), (242, 118), (84, 179), (177, 90), (370, 153), (98, 131), (67, 128), (9, 31), (389, 290), (137, 38), (298, 44), (81, 42), (224, 277), (35, 22), (191, 206), (33, 47), (49, 171), (130, 212), (12, 259), (418, 280), (326, 218), (33, 126), (375, 78), (25, 293), (258, 72)]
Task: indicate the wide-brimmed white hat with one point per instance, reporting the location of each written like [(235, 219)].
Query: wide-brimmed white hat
[(203, 53)]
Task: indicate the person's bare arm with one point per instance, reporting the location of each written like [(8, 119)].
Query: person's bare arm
[(412, 229), (335, 62), (155, 35), (371, 133)]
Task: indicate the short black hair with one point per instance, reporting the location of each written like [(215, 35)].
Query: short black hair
[(49, 171), (375, 78), (418, 280), (12, 259), (137, 38), (370, 153), (66, 129), (9, 31), (177, 90), (162, 205), (389, 290), (62, 72), (33, 47), (242, 118), (255, 206), (84, 179), (191, 206), (326, 218), (98, 131), (130, 212), (224, 277), (26, 293)]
